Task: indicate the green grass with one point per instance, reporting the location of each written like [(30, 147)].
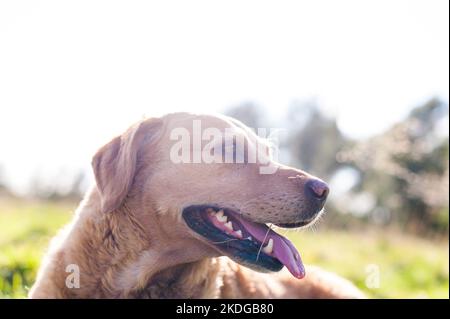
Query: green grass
[(408, 267), (25, 231)]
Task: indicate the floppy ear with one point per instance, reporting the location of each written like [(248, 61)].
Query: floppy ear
[(114, 164)]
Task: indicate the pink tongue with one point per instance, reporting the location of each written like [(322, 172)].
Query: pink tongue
[(283, 249)]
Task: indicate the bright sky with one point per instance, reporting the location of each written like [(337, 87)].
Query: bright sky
[(74, 72)]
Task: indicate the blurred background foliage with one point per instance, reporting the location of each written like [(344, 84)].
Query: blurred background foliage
[(389, 202), (398, 178)]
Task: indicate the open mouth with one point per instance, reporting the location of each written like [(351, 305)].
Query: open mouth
[(252, 244)]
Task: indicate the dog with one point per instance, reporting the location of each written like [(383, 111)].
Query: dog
[(169, 217)]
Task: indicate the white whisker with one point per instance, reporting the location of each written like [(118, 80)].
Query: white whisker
[(225, 241), (262, 244)]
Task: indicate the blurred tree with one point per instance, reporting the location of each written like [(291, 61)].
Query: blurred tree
[(314, 139), (407, 169), (69, 188), (5, 191), (74, 191)]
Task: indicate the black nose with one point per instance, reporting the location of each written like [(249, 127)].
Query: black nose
[(316, 189)]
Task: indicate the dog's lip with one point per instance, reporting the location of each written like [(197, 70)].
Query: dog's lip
[(283, 250), (295, 225), (242, 251)]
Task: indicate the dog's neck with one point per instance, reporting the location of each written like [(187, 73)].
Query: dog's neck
[(116, 258)]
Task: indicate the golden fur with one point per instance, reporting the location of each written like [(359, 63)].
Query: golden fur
[(129, 241)]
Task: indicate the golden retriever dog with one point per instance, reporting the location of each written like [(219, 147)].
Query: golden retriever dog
[(158, 224)]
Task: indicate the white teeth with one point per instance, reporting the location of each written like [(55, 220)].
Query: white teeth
[(268, 249), (229, 225), (221, 217), (238, 233)]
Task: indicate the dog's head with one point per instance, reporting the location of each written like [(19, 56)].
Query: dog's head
[(208, 182)]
